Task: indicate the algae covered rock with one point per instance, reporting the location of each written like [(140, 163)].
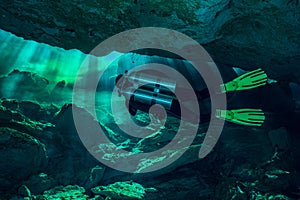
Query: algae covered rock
[(95, 177), (21, 85), (38, 183), (24, 191), (68, 192), (19, 120), (123, 190)]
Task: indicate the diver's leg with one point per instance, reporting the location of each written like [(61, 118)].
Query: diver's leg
[(176, 109)]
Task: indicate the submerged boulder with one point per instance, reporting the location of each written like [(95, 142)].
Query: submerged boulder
[(22, 155), (123, 190), (22, 85), (68, 192)]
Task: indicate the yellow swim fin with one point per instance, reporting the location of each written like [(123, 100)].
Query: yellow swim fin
[(248, 117), (246, 81)]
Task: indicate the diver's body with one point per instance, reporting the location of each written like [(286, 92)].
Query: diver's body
[(185, 68), (256, 97), (175, 108), (143, 97)]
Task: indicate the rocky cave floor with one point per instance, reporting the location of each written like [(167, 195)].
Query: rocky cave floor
[(42, 155), (43, 158)]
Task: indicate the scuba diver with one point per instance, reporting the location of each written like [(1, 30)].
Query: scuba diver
[(266, 102)]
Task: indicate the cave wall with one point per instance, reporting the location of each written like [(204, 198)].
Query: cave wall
[(249, 34)]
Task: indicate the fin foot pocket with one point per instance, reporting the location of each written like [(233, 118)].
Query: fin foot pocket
[(247, 116)]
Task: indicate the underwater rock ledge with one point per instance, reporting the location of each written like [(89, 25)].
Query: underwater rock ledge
[(62, 167)]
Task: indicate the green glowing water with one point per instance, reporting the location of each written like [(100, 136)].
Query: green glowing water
[(53, 63)]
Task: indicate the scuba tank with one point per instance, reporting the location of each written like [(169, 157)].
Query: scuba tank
[(150, 90)]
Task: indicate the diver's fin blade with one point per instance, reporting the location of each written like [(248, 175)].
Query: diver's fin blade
[(251, 73), (248, 117), (249, 80)]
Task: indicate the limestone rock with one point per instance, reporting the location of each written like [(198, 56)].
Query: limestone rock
[(96, 176), (29, 108), (20, 85), (68, 192), (12, 104), (38, 183), (24, 191), (122, 190), (22, 156), (16, 119), (68, 146)]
